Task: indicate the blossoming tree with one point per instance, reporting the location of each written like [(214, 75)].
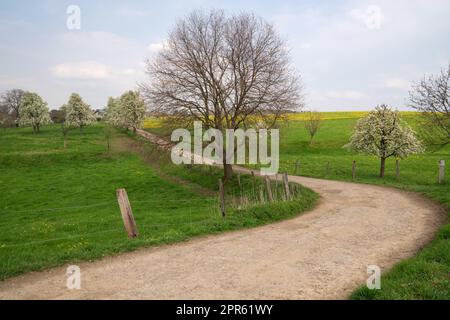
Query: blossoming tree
[(78, 113), (33, 111), (383, 134), (128, 111)]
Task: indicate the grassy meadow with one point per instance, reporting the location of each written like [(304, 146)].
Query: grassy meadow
[(59, 205), (426, 276)]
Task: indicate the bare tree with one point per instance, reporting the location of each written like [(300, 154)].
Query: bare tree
[(65, 128), (431, 96), (6, 119), (11, 100), (312, 123), (227, 72)]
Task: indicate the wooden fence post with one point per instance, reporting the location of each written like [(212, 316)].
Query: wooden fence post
[(127, 214), (269, 189), (261, 194), (297, 165), (239, 180), (397, 169), (222, 197), (286, 187), (441, 171), (354, 170), (254, 184)]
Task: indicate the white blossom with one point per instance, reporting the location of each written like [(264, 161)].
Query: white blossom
[(128, 111), (112, 113), (382, 133), (78, 113), (33, 111)]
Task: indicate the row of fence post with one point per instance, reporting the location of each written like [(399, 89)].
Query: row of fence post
[(441, 166), (287, 192), (130, 224)]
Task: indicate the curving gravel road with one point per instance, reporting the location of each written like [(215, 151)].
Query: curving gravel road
[(322, 254)]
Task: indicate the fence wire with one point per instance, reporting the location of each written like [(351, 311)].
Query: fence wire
[(253, 195)]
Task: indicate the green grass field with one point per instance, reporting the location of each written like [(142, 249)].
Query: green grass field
[(426, 276), (59, 205)]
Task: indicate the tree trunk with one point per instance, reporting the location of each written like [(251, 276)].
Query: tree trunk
[(227, 168), (382, 167), (228, 171), (134, 131)]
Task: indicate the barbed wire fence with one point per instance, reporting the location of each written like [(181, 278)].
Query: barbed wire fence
[(328, 168), (77, 220), (252, 191)]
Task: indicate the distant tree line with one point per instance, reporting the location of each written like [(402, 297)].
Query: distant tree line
[(21, 108)]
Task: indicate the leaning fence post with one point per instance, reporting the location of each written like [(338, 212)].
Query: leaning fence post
[(127, 214), (441, 171), (222, 197), (261, 193), (254, 183), (297, 165), (269, 189), (354, 170), (286, 186)]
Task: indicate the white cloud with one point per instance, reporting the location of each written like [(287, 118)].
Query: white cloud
[(81, 70), (89, 70), (396, 83), (13, 81), (155, 46), (372, 16)]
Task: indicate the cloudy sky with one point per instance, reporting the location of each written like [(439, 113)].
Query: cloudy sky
[(352, 55)]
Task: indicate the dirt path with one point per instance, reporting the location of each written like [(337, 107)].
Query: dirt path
[(321, 254)]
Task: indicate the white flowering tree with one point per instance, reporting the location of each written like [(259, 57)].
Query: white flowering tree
[(113, 112), (132, 110), (383, 134), (78, 113), (33, 111)]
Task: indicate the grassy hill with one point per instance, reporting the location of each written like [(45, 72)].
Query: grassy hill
[(59, 205), (426, 276)]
